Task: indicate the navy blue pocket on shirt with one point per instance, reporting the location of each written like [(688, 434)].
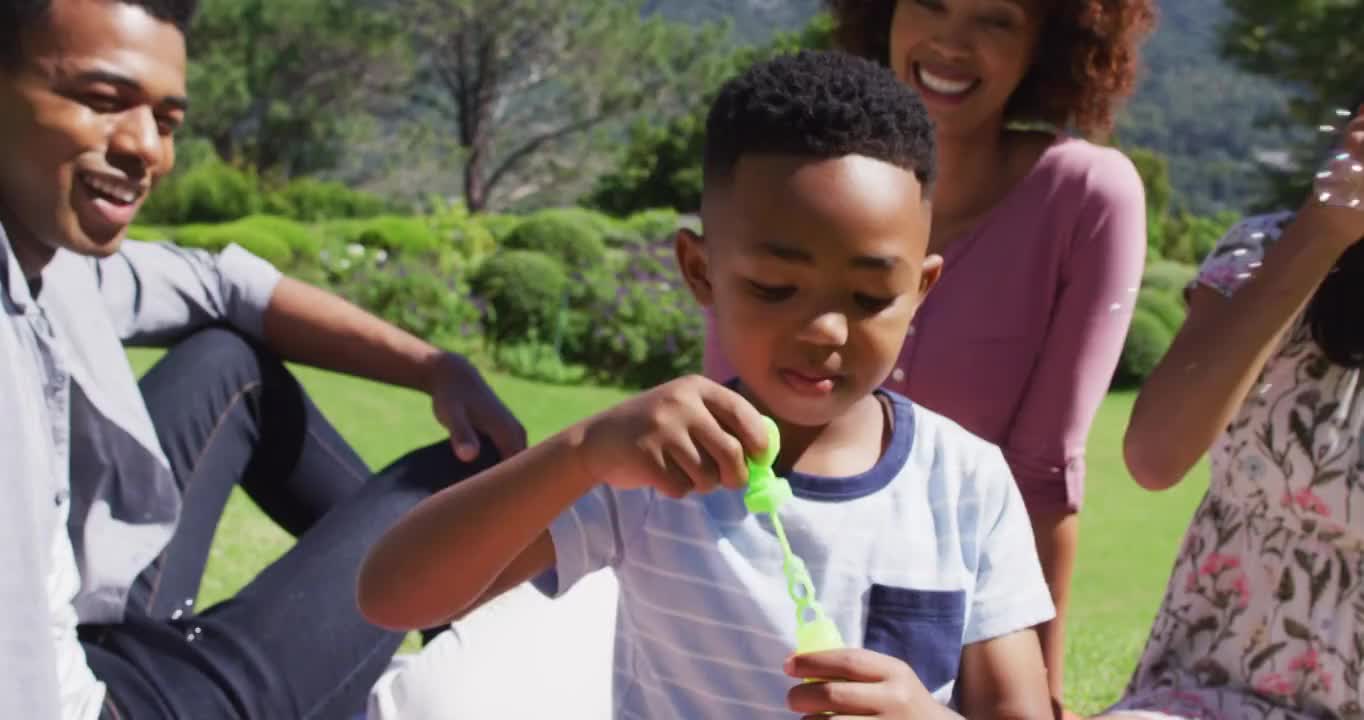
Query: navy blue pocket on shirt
[(921, 627)]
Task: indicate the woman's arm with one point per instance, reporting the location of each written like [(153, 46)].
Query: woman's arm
[(1045, 443)]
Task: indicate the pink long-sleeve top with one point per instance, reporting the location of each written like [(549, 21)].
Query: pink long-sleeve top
[(1019, 339)]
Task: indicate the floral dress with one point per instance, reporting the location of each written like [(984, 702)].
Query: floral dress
[(1264, 613)]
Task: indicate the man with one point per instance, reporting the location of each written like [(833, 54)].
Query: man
[(113, 491)]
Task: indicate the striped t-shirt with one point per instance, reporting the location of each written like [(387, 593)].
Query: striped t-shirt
[(929, 550)]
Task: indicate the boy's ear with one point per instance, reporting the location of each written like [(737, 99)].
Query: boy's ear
[(694, 264), (929, 273)]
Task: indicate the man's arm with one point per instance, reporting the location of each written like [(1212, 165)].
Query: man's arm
[(1004, 677), (312, 326), (157, 293)]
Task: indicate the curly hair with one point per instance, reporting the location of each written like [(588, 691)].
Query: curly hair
[(1086, 65), (17, 15), (820, 104)]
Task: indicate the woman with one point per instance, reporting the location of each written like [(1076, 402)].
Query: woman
[(1043, 235), (1264, 613)]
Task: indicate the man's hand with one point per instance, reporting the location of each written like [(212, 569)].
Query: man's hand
[(466, 406), (861, 684)]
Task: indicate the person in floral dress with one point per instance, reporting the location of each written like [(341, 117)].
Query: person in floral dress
[(1264, 613)]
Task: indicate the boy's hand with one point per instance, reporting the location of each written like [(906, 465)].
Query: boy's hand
[(689, 435), (864, 684)]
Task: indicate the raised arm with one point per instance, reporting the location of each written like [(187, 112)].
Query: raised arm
[(1249, 293)]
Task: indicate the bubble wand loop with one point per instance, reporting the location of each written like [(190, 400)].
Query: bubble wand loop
[(765, 494)]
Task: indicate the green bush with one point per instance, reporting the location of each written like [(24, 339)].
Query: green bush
[(302, 240), (499, 225), (651, 226), (609, 229), (1194, 236), (1168, 276), (463, 232), (310, 200), (523, 292), (416, 298), (638, 327), (570, 238), (536, 360), (258, 240), (1147, 341), (1164, 305), (391, 233), (210, 192)]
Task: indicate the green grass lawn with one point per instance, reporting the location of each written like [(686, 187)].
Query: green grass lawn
[(1129, 536)]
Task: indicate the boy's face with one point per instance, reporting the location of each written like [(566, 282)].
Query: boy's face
[(86, 122), (813, 269)]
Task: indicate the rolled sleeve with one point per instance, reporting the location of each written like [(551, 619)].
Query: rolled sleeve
[(158, 292), (1011, 592), (1045, 444), (1239, 252)]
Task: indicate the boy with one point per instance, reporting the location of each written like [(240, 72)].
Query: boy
[(817, 171)]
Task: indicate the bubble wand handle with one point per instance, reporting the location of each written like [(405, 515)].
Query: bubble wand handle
[(766, 493)]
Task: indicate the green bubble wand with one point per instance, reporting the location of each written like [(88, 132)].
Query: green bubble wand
[(765, 494)]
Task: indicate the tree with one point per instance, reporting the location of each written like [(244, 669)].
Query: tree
[(1315, 47), (660, 165), (526, 84), (275, 85)]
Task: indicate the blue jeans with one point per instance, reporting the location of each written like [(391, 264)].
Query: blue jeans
[(292, 643)]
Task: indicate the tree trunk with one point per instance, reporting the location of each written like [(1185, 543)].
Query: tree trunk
[(475, 191)]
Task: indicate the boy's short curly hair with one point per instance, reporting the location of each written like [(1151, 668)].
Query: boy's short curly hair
[(820, 104), (1086, 66), (17, 15)]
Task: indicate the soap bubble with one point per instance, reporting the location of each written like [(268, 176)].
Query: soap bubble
[(1340, 182)]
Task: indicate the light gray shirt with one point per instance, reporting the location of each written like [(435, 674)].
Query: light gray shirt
[(91, 498)]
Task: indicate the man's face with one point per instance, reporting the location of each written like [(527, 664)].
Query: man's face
[(87, 118)]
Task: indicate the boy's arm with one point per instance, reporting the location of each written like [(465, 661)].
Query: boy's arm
[(157, 293), (473, 540), (1004, 677), (491, 531)]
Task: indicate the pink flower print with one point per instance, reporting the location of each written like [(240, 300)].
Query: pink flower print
[(1306, 662), (1215, 563), (1191, 582), (1241, 586), (1317, 505), (1274, 684), (1326, 681), (1309, 501)]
